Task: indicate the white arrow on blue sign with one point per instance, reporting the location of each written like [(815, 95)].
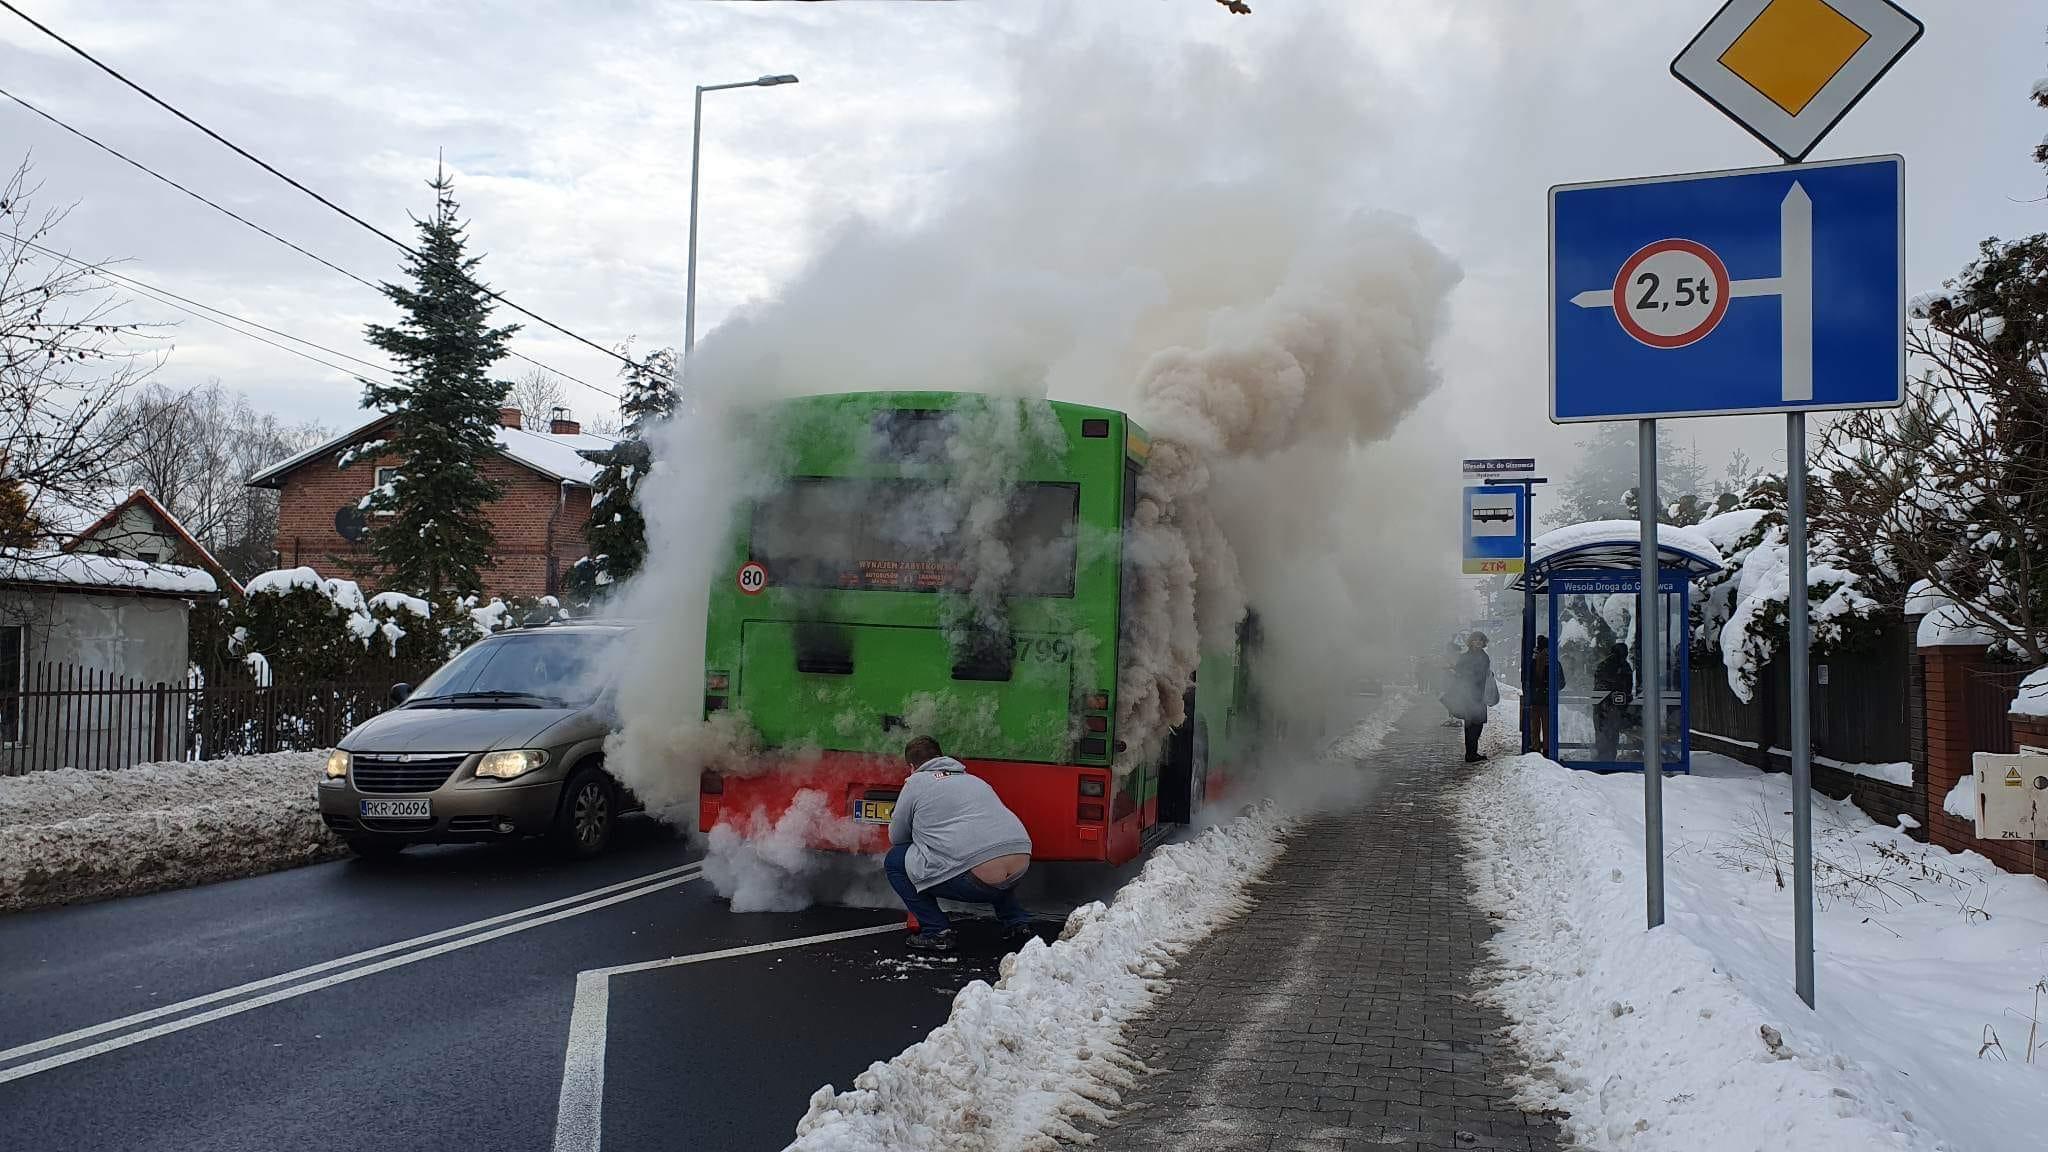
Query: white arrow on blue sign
[(1776, 289)]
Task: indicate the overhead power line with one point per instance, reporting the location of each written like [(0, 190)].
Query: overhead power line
[(267, 167), (243, 220), (223, 318)]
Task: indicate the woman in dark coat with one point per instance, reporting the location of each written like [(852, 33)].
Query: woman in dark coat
[(1472, 692), (1615, 681)]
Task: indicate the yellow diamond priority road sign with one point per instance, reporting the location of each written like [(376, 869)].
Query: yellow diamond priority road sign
[(1789, 70)]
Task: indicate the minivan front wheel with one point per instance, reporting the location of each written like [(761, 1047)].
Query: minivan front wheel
[(590, 804)]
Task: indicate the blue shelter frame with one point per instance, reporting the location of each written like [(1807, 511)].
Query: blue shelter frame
[(1592, 580)]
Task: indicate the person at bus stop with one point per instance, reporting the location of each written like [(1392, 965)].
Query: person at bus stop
[(1539, 697), (1616, 684), (1472, 692), (952, 837)]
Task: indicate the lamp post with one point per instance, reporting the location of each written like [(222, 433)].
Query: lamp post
[(696, 136)]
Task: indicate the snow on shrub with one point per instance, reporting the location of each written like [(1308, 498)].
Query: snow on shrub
[(297, 625), (1742, 613)]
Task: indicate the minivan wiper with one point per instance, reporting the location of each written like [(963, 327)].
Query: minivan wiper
[(523, 699)]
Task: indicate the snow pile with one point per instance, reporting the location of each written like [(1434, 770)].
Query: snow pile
[(1961, 801), (1691, 1037), (2033, 696), (1020, 1063), (78, 568), (69, 835)]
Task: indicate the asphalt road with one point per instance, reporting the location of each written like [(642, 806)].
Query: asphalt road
[(430, 1003)]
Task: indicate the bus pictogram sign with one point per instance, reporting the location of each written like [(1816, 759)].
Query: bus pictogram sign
[(752, 578), (1671, 293)]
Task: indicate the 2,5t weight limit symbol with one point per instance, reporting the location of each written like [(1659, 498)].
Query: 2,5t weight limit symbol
[(1671, 293)]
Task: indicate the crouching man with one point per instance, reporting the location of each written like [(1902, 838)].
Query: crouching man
[(952, 837)]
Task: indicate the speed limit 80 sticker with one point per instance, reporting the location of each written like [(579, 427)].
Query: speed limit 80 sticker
[(1671, 293), (752, 578)]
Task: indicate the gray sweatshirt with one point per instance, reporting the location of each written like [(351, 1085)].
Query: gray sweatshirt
[(952, 822)]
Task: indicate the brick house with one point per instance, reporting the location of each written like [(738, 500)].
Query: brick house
[(538, 519)]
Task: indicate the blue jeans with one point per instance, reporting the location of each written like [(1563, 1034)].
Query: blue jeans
[(963, 888)]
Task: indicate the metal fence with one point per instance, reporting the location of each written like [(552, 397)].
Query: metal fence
[(1861, 714), (66, 716), (1988, 694)]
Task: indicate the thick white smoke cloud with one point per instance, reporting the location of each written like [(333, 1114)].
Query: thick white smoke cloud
[(1181, 232)]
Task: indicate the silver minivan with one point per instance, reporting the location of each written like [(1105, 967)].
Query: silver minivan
[(504, 740)]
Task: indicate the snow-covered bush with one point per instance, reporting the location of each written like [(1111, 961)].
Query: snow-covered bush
[(295, 625), (1741, 615)]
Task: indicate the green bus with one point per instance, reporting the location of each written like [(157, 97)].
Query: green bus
[(949, 564)]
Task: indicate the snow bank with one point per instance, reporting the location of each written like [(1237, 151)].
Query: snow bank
[(1690, 1037), (70, 835), (1020, 1062), (1961, 801)]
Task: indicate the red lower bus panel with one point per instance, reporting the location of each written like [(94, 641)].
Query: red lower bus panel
[(1046, 797)]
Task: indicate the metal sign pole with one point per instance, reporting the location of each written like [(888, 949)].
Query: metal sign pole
[(1649, 664), (1802, 716), (1529, 618)]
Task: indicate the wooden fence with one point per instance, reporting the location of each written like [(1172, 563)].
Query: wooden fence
[(66, 716), (1861, 715), (1988, 694)]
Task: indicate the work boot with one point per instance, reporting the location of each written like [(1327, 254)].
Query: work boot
[(931, 941)]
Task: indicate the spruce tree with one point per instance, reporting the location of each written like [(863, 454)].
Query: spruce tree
[(436, 537), (617, 535)]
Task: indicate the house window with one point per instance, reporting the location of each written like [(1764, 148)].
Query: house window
[(11, 674), (386, 476)]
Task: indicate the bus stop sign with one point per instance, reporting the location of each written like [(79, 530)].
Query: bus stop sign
[(1776, 289)]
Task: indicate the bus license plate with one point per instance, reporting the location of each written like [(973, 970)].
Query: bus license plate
[(873, 811), (398, 809)]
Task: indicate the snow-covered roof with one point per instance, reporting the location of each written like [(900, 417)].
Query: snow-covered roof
[(1616, 544), (78, 569), (558, 457)]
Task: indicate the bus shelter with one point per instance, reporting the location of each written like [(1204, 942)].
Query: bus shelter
[(1590, 576)]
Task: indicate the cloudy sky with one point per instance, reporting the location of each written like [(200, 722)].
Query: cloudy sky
[(567, 128)]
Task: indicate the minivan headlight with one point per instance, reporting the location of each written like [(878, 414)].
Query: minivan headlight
[(506, 765), (337, 765)]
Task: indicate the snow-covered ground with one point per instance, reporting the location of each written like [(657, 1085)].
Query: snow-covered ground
[(1691, 1037), (71, 835), (1021, 1062)]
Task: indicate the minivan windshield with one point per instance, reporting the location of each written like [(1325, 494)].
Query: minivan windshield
[(554, 669)]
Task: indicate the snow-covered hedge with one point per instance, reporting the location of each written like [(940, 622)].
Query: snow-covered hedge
[(69, 836), (297, 625), (1742, 613)]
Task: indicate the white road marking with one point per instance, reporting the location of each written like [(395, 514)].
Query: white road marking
[(521, 921), (579, 1111)]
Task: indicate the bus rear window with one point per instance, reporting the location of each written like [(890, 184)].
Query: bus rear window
[(904, 535)]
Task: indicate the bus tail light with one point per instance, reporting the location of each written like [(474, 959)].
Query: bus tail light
[(711, 784), (716, 681), (1094, 746), (1098, 702), (1089, 812), (1091, 785), (1095, 723), (714, 704)]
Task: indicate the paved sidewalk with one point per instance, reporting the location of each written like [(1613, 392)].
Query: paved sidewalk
[(1339, 1013)]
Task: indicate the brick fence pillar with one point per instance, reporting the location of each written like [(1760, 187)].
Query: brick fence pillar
[(1944, 673)]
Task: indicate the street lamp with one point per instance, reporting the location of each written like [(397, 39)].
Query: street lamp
[(696, 136)]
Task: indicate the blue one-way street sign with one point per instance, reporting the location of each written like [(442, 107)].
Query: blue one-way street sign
[(1762, 290)]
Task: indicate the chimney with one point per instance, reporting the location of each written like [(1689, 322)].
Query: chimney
[(560, 424), (508, 416)]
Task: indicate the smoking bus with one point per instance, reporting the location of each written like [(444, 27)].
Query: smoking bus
[(858, 612)]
